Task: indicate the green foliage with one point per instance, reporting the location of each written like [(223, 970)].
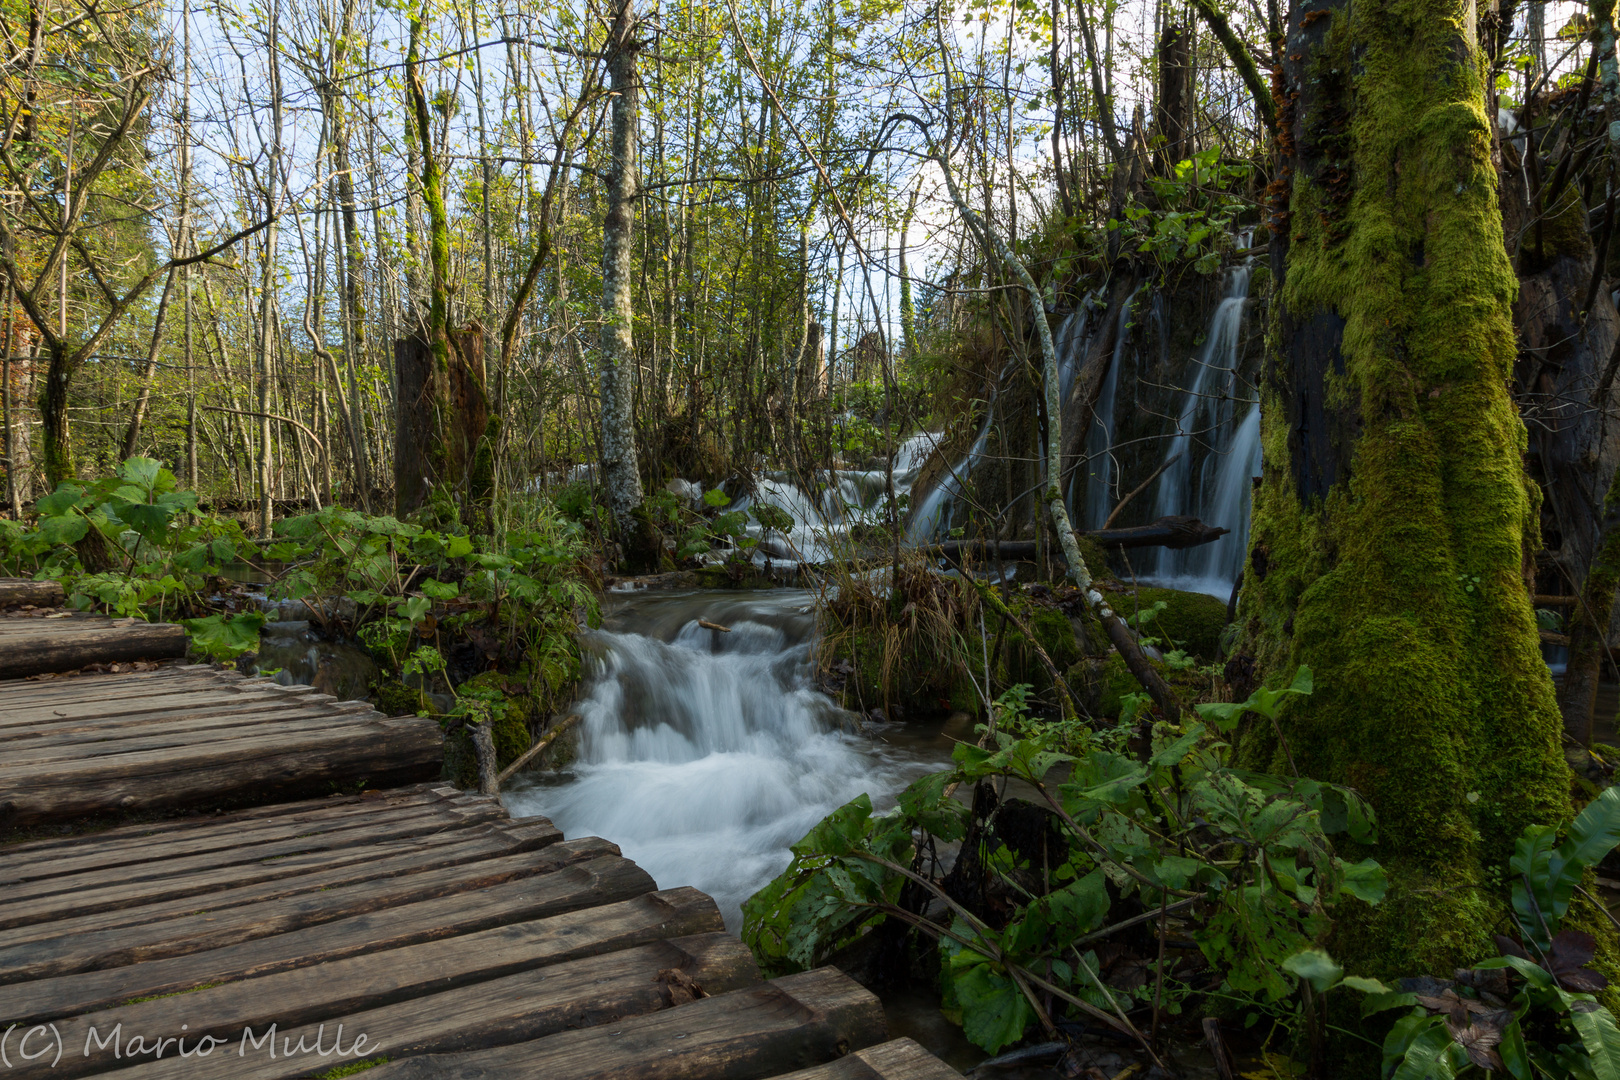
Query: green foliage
[(1528, 1013), (1178, 825), (225, 637), (162, 549)]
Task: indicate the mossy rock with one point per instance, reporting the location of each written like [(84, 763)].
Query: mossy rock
[(733, 576), (394, 698), (1055, 633), (1191, 620), (1103, 681), (509, 717)]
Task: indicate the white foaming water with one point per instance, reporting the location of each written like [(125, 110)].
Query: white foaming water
[(1218, 492), (1100, 433), (703, 754)]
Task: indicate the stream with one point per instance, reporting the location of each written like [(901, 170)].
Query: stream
[(704, 754)]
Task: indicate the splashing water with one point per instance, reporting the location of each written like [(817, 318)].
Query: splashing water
[(703, 754), (1100, 432), (1217, 492)]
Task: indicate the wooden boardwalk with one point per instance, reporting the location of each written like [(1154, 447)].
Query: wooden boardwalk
[(187, 735), (419, 925), (42, 641)]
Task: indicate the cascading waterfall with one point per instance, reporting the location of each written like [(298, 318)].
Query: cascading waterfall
[(704, 754), (1217, 490), (1100, 433), (932, 516)]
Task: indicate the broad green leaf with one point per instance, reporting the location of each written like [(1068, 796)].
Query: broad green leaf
[(439, 590), (414, 608), (458, 546), (994, 1011), (63, 529), (66, 497), (142, 472), (716, 497), (1365, 880), (1316, 967), (1595, 1025)]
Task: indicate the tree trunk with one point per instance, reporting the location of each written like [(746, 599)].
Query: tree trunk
[(1395, 518), (619, 468), (1589, 625)]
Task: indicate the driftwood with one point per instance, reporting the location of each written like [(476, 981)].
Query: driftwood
[(1170, 532), (539, 744), (24, 591)]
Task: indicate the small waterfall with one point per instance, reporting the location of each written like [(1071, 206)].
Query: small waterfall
[(1216, 491), (1100, 433), (702, 754)]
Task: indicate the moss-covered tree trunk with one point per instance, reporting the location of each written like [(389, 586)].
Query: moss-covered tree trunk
[(1395, 521)]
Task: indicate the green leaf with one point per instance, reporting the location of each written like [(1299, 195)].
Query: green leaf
[(439, 590), (222, 638), (414, 608), (1391, 999), (1429, 1056), (1515, 1056), (1601, 1039), (1316, 967), (67, 496), (1365, 880), (716, 497), (142, 472), (149, 520), (458, 547), (994, 1011), (63, 529)]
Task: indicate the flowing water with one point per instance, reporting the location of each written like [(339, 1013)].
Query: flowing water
[(1100, 433), (704, 754), (1215, 451)]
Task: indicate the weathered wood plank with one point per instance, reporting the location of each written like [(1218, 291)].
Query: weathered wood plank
[(396, 750), (417, 860), (518, 886), (788, 1023), (133, 846), (27, 591), (374, 929), (898, 1059), (116, 837), (49, 899), (181, 697), (530, 1001), (61, 649)]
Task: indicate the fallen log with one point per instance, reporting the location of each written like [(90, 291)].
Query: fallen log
[(1170, 532), (49, 645), (23, 591)]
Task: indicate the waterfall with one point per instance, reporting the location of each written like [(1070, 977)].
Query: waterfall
[(703, 754), (1213, 488), (1100, 433)]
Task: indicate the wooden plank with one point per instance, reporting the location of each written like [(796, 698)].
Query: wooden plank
[(18, 692), (474, 846), (531, 878), (63, 650), (134, 845), (186, 697), (208, 719), (118, 836), (788, 1023), (520, 1007), (45, 746), (190, 875), (478, 1011), (396, 750), (563, 882), (27, 591), (898, 1059)]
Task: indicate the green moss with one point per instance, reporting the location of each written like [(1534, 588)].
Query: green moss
[(1400, 586), (351, 1068), (1054, 632), (1095, 557), (733, 575), (1192, 621), (394, 698)]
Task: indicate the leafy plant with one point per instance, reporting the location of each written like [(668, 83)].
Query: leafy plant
[(1243, 860), (1529, 1012)]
